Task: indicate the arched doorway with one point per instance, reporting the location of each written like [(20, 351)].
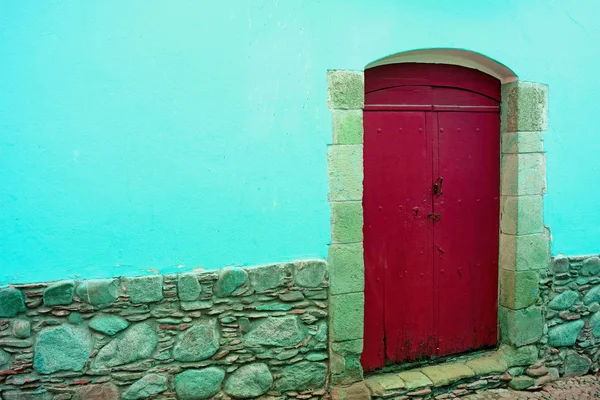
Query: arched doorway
[(431, 211)]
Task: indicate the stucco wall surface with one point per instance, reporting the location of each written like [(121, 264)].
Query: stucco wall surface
[(138, 138)]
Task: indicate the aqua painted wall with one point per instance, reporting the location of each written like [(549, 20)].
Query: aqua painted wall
[(138, 136)]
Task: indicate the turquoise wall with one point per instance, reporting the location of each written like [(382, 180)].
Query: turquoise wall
[(139, 136)]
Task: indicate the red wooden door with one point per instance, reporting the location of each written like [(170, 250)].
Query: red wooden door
[(431, 211)]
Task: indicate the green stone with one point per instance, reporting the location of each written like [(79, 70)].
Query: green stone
[(145, 289), (63, 348), (521, 327), (522, 142), (316, 357), (188, 287), (518, 289), (348, 347), (414, 380), (136, 343), (345, 90), (196, 305), (98, 291), (302, 376), (592, 296), (199, 384), (59, 293), (487, 365), (347, 126), (197, 343), (347, 312), (277, 331), (310, 273), (521, 383), (516, 371), (353, 371), (265, 278), (521, 356), (108, 324), (576, 364), (560, 264), (390, 382), (564, 301), (345, 168), (12, 302), (591, 267), (149, 385), (524, 252), (565, 334), (75, 318), (595, 324), (230, 279), (526, 107), (274, 307), (445, 374), (21, 328), (5, 360), (346, 268), (249, 381), (522, 215), (346, 222), (291, 296), (321, 334)]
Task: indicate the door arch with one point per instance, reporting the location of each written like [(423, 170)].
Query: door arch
[(431, 211)]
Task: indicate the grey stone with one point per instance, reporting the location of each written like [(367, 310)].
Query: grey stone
[(197, 343), (21, 328), (59, 293), (230, 279), (24, 395), (521, 383), (12, 302), (249, 381), (105, 391), (63, 348), (560, 264), (302, 376), (5, 360), (145, 289), (576, 364), (266, 278), (188, 287), (98, 291), (595, 324), (591, 267), (564, 301), (310, 273), (277, 331), (136, 343), (565, 334), (149, 385), (592, 296), (108, 324), (199, 384)]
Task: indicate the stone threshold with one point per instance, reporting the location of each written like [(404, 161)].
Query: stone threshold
[(456, 377)]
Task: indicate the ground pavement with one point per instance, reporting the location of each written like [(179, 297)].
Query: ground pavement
[(579, 388)]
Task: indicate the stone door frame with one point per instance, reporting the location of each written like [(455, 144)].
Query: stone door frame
[(524, 240)]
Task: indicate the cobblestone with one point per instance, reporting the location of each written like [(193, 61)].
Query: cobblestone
[(580, 388)]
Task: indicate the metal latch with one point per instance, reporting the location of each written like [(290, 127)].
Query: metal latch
[(433, 217), (437, 186)]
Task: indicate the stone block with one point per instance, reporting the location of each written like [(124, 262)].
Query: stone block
[(347, 321), (414, 380), (348, 347), (492, 365), (576, 364), (62, 348), (518, 289), (565, 334), (137, 343), (266, 277), (521, 327), (352, 372), (197, 343), (276, 331), (106, 391), (249, 381), (525, 107), (196, 384), (521, 215), (145, 289), (347, 126), (59, 293), (346, 268), (147, 386), (522, 142), (21, 328), (390, 381), (523, 174), (345, 166), (521, 383), (524, 252), (98, 291), (519, 356), (560, 264), (592, 295), (345, 90), (357, 391), (590, 267), (230, 280), (346, 222), (564, 300), (310, 273), (302, 376), (108, 324), (12, 302), (188, 287), (446, 374)]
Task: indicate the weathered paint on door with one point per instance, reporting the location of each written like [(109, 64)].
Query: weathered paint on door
[(431, 211)]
